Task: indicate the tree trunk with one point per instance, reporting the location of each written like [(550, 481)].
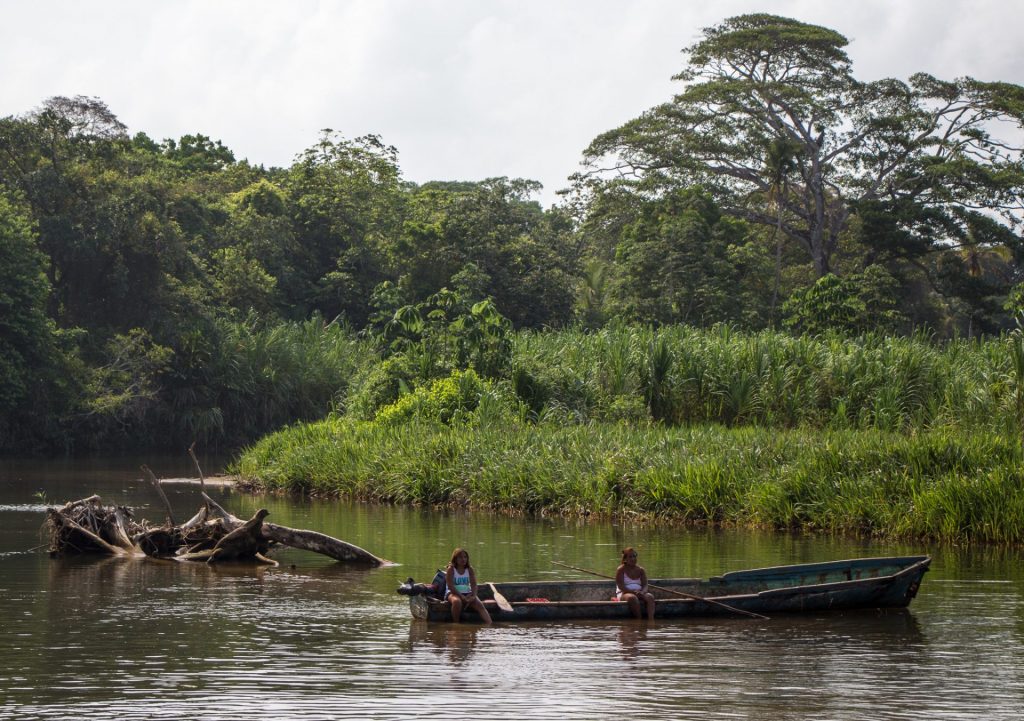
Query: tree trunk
[(821, 262), (816, 221), (320, 543), (245, 542)]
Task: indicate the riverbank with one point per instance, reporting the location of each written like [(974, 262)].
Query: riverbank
[(943, 485)]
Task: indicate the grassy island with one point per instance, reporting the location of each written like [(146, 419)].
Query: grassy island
[(881, 436)]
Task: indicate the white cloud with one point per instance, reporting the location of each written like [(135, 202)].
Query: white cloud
[(463, 89)]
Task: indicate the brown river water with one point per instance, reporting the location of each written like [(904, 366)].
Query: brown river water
[(94, 638)]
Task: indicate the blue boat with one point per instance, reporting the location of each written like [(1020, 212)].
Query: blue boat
[(808, 587)]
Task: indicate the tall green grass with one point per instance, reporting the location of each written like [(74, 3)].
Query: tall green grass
[(687, 375), (950, 487), (879, 436)]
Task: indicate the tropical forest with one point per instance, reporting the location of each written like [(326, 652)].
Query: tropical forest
[(786, 297)]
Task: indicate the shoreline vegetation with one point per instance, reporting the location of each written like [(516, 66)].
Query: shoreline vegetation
[(884, 437), (721, 321)]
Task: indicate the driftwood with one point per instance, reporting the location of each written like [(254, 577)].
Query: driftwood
[(318, 543), (211, 535), (245, 541), (307, 540), (199, 470), (87, 526)]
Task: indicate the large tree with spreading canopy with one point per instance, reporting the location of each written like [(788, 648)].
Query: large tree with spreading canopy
[(772, 121)]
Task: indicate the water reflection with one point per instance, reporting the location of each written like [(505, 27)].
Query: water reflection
[(454, 642), (108, 638), (632, 635)]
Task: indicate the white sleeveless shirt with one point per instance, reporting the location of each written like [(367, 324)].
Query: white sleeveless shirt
[(462, 584)]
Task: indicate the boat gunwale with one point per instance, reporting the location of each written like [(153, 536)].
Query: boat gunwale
[(918, 562), (907, 566), (845, 583), (919, 565), (903, 562)]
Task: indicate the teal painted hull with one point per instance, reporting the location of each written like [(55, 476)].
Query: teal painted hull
[(810, 587)]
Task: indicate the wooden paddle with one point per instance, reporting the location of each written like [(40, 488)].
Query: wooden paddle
[(503, 603), (673, 591)]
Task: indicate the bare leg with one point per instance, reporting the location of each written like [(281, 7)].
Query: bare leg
[(456, 601), (482, 610), (634, 604), (649, 602)]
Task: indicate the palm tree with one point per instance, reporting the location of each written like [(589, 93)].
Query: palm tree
[(594, 294), (988, 265)]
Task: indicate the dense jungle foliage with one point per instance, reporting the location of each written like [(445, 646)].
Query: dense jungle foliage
[(856, 243)]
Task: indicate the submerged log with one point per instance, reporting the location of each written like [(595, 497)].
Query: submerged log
[(307, 540), (320, 543), (212, 535)]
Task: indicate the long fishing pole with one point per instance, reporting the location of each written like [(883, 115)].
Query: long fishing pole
[(671, 590)]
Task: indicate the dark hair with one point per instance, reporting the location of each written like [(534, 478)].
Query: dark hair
[(628, 551), (456, 553)]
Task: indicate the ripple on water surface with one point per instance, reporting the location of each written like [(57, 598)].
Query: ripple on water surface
[(126, 639)]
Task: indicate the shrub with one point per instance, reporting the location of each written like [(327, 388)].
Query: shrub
[(446, 400), (380, 386)]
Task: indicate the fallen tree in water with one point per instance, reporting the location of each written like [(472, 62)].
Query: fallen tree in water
[(211, 535), (87, 526)]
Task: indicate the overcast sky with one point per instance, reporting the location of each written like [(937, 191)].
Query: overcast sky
[(465, 89)]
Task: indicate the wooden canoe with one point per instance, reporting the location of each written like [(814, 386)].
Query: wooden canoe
[(807, 587)]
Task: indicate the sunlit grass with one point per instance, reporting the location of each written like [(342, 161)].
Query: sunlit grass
[(877, 436), (953, 488)]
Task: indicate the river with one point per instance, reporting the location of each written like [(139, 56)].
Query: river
[(104, 638)]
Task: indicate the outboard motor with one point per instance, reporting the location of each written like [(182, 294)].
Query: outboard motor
[(434, 589)]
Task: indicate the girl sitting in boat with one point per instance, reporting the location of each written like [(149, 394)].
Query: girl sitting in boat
[(631, 585), (460, 580)]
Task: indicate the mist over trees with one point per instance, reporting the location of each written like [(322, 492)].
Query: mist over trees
[(158, 292)]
